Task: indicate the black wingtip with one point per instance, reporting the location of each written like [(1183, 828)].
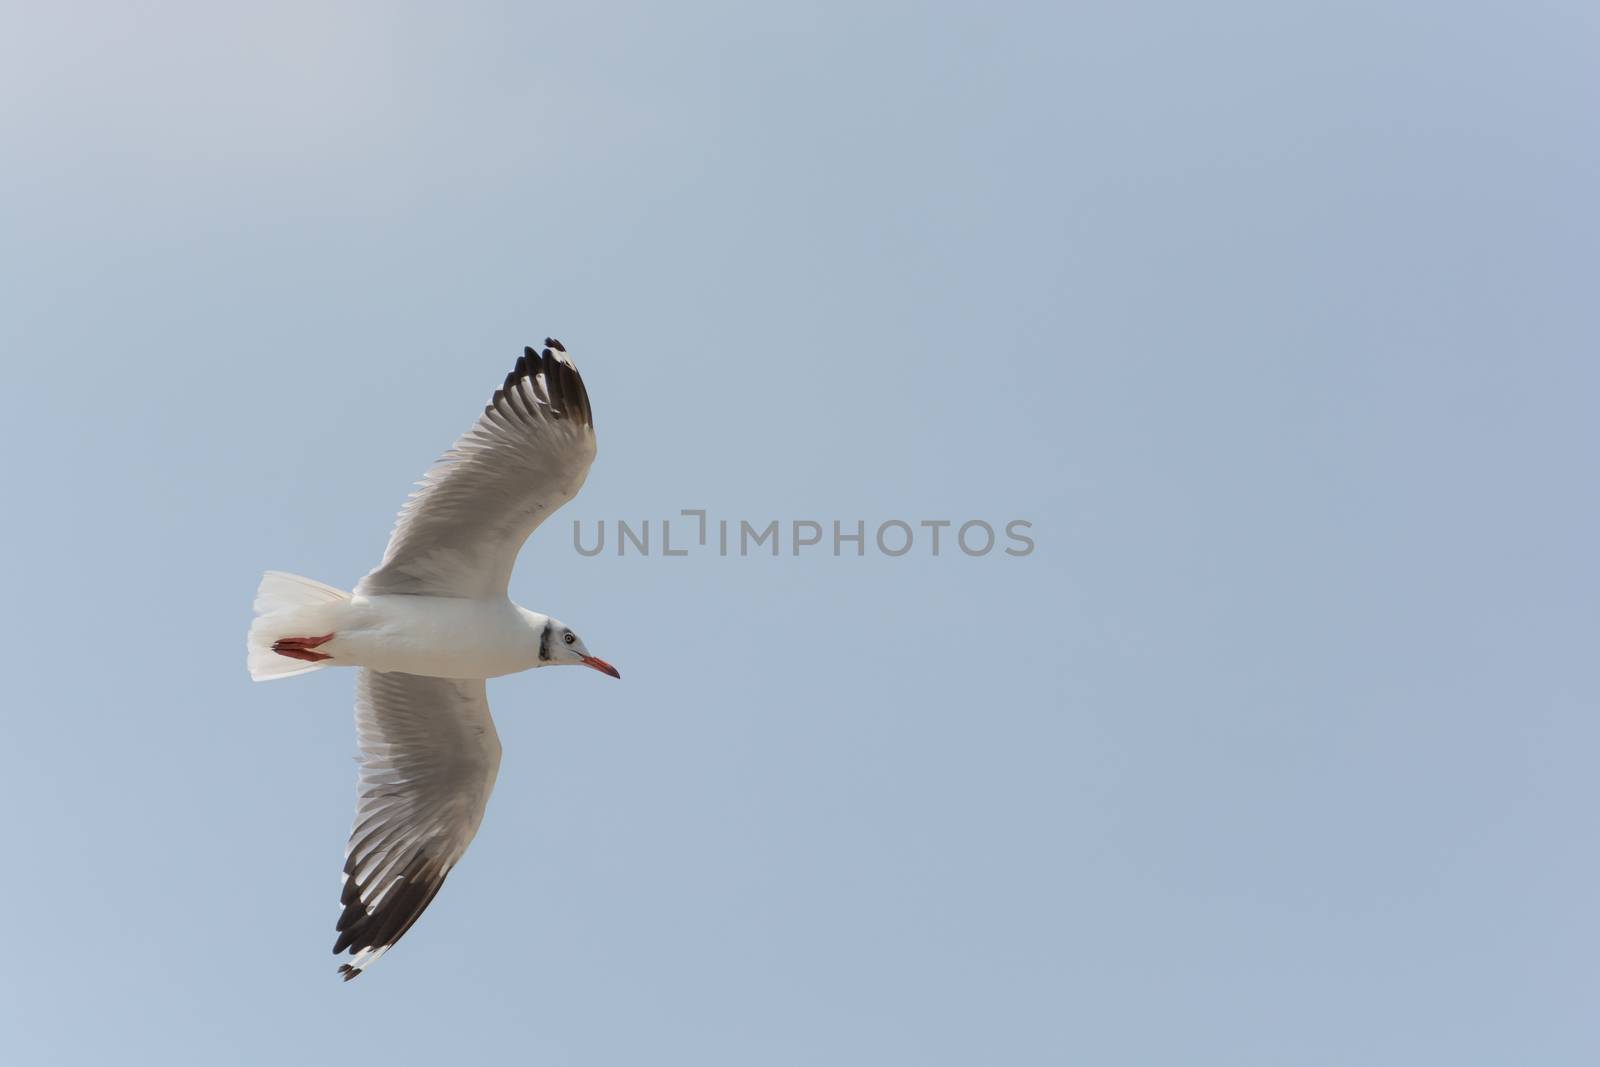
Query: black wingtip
[(349, 972), (562, 387)]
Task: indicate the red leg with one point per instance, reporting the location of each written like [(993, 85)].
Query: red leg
[(300, 647)]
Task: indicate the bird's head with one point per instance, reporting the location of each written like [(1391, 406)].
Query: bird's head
[(558, 645)]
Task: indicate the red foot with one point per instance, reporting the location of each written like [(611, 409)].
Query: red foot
[(300, 647)]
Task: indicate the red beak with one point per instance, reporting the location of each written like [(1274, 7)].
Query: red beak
[(601, 665)]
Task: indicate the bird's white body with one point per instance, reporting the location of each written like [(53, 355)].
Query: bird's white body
[(442, 637)]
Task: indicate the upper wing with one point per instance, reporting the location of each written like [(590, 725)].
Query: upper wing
[(459, 533), (429, 754)]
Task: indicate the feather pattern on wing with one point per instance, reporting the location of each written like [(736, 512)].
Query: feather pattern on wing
[(429, 755), (529, 453)]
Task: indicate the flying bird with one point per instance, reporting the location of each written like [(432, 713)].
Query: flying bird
[(424, 630)]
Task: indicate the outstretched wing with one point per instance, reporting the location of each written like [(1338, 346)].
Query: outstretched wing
[(460, 532), (429, 755)]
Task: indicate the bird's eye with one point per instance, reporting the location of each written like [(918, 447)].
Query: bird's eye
[(571, 637)]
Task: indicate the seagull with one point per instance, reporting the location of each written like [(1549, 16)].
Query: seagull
[(424, 630)]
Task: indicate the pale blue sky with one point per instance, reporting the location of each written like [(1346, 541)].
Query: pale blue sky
[(1276, 320)]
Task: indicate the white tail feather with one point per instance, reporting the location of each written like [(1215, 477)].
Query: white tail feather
[(288, 605)]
